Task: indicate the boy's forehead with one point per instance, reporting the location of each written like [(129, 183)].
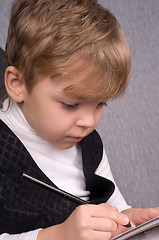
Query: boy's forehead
[(83, 85)]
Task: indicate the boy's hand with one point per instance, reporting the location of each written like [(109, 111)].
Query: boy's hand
[(87, 222), (138, 216), (141, 215)]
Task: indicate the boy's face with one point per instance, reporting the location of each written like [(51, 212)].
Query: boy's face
[(59, 119)]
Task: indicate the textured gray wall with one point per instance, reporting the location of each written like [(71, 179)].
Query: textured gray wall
[(129, 126), (5, 6)]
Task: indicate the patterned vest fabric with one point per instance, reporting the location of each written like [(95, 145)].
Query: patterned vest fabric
[(26, 205)]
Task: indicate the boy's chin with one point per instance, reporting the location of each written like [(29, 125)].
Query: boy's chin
[(64, 146)]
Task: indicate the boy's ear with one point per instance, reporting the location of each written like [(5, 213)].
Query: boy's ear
[(14, 84)]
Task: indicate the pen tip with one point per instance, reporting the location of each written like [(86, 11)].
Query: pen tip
[(129, 225)]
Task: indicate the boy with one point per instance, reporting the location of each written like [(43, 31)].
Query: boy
[(65, 59)]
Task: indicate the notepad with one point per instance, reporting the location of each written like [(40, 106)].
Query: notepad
[(146, 231)]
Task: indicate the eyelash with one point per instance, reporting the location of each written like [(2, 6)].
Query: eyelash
[(102, 104), (73, 106), (70, 106)]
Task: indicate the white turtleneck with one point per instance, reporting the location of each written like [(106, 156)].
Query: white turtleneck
[(63, 167)]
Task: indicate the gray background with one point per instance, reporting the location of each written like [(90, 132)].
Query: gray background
[(130, 125)]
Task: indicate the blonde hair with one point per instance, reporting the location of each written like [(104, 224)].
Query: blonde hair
[(67, 38)]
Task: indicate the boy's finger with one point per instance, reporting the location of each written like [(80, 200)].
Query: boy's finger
[(100, 235), (101, 211), (104, 224), (108, 206)]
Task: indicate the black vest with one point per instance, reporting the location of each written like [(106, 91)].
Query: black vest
[(25, 205)]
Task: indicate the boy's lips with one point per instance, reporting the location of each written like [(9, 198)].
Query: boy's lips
[(76, 139)]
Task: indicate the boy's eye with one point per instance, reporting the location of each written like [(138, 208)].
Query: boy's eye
[(69, 106), (101, 104)]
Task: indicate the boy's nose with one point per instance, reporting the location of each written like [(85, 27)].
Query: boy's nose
[(86, 120)]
